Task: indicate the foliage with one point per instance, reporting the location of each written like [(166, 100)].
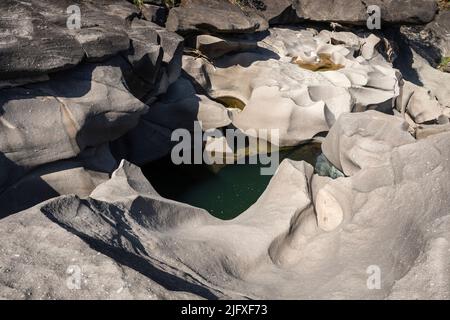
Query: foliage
[(444, 63), (138, 3), (172, 3), (444, 4)]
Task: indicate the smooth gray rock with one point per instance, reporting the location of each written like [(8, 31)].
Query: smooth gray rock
[(214, 16), (179, 108), (431, 41), (58, 119), (44, 260), (36, 39), (397, 204), (155, 56), (355, 11), (278, 93), (214, 47), (361, 140), (80, 176), (419, 104), (30, 45), (155, 13)]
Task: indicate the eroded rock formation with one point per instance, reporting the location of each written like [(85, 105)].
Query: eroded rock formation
[(82, 109)]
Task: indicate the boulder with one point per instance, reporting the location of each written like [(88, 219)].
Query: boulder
[(155, 58), (355, 11), (32, 46), (436, 82), (298, 81), (214, 47), (155, 13), (365, 139), (398, 203), (46, 261), (60, 118), (285, 116), (180, 107), (277, 12), (38, 40), (214, 16), (431, 41), (419, 105)]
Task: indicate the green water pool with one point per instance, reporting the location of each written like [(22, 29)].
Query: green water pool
[(225, 192)]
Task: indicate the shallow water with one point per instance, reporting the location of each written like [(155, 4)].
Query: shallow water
[(225, 191), (325, 63)]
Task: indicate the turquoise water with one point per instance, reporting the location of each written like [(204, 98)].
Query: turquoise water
[(225, 191)]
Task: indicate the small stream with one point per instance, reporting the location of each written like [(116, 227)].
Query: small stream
[(224, 191)]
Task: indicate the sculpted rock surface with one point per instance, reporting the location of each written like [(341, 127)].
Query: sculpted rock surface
[(38, 41), (214, 16), (355, 11), (363, 140), (392, 204), (278, 93), (44, 260), (377, 204), (437, 82), (214, 47), (179, 108), (419, 104), (79, 176), (60, 118), (431, 41)]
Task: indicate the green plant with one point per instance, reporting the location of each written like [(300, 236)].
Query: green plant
[(138, 3), (444, 4), (444, 62)]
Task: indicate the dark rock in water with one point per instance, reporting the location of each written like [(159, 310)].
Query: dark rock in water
[(214, 16), (326, 169), (355, 11)]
